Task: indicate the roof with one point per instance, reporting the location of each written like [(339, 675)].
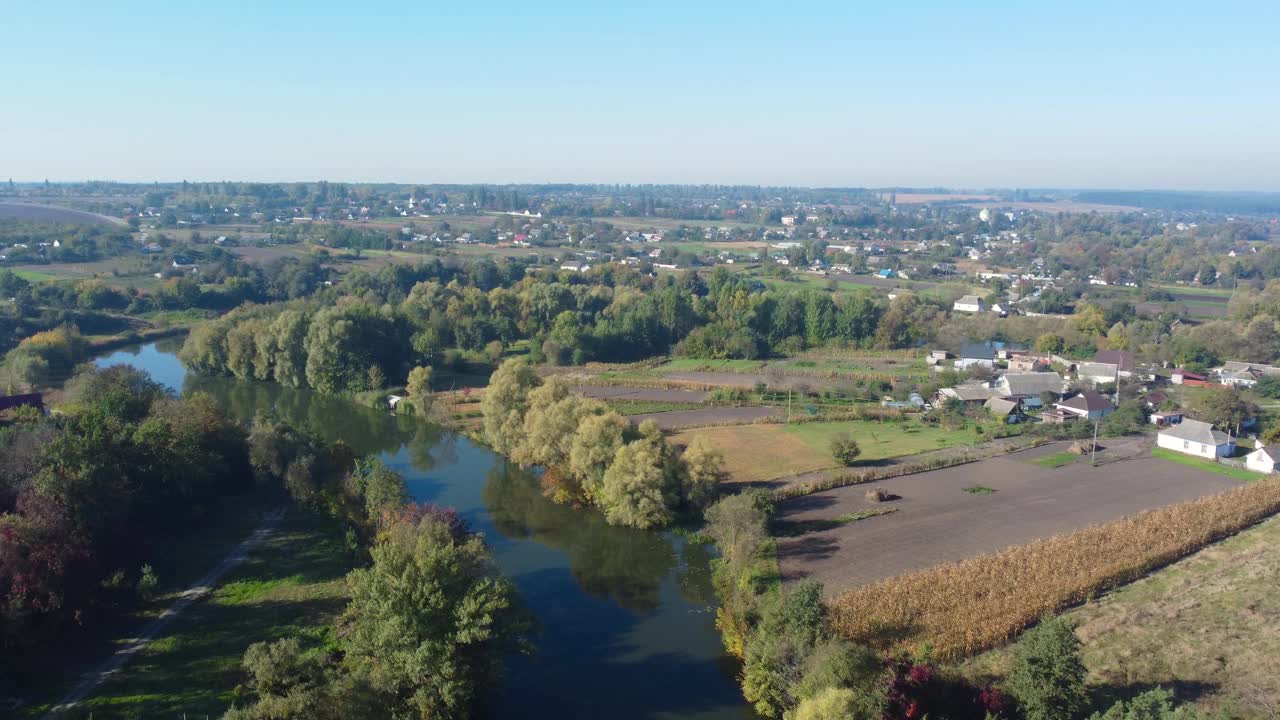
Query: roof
[(1187, 373), (969, 392), (1122, 358), (1196, 431), (1156, 397), (1087, 401), (1231, 366), (1032, 383), (1098, 369), (969, 300), (1272, 451), (1000, 406)]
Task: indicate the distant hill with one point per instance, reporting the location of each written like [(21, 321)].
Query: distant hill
[(1243, 203), (54, 214)]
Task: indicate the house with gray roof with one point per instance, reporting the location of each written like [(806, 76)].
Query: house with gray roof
[(1194, 437), (1029, 386), (1263, 459), (1088, 405)]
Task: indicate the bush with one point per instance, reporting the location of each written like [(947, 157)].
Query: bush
[(1048, 676), (877, 495), (845, 449)]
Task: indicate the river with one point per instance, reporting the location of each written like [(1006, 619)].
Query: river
[(627, 616)]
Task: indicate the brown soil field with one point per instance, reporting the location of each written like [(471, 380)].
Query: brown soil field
[(938, 522), (641, 394), (54, 214)]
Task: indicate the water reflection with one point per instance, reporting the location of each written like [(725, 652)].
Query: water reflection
[(626, 615)]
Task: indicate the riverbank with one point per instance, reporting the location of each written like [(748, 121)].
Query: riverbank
[(621, 611)]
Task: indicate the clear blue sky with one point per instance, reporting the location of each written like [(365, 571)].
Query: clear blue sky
[(968, 94)]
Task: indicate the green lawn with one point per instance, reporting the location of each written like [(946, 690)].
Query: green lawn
[(35, 275), (291, 585), (1207, 465), (880, 440), (1056, 460)]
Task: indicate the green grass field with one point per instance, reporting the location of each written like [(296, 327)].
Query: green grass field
[(1207, 465), (1056, 460), (36, 275), (291, 585), (879, 440)]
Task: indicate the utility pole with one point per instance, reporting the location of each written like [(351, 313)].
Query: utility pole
[(1093, 454)]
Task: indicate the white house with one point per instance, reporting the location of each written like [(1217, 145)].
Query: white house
[(1263, 459), (1194, 437), (969, 303), (575, 266), (1088, 405), (1098, 373), (976, 354)]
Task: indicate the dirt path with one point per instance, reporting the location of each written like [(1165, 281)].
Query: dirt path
[(199, 590)]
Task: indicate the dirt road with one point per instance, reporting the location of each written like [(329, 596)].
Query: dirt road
[(199, 590)]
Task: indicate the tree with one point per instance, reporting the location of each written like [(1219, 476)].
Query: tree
[(1226, 408), (431, 620), (505, 403), (1048, 676), (1154, 704), (704, 471), (845, 449), (838, 703), (594, 446), (1050, 343), (418, 388), (636, 491)]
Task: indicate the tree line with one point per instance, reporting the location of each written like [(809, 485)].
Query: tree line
[(373, 329), (591, 455)]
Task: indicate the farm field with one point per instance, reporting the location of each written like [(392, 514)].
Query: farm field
[(53, 213), (292, 584), (880, 440), (1206, 625), (938, 522), (768, 451), (707, 416)]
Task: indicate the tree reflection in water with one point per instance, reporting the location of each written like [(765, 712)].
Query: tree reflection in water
[(623, 565)]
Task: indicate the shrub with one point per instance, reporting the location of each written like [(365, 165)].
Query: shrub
[(845, 449), (1048, 676), (877, 495)]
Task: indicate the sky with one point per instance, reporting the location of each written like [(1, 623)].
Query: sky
[(1116, 94)]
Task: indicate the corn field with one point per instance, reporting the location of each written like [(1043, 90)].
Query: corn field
[(962, 608)]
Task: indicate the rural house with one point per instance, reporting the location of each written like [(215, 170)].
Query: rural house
[(969, 303), (976, 354), (1008, 410), (1122, 359), (1194, 437), (1088, 405), (1027, 363), (969, 393), (1028, 387), (1098, 373), (1263, 459)]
